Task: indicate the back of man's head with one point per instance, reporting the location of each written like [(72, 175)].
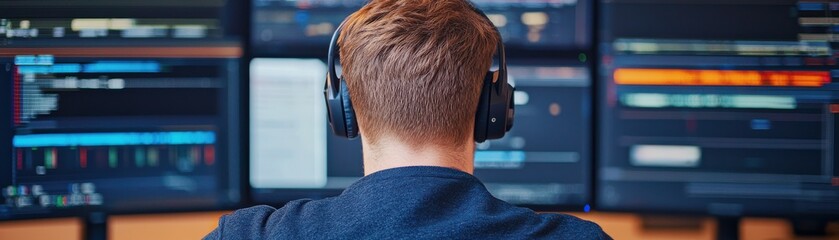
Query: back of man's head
[(414, 69)]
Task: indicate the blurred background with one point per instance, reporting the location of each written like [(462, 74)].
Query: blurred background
[(657, 119)]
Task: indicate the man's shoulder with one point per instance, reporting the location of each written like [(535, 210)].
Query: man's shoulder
[(255, 212), (262, 222), (244, 223), (572, 227), (253, 222)]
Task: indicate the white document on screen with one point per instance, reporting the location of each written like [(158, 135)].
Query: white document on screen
[(287, 123)]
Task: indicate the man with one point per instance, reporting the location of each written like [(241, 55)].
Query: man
[(414, 70)]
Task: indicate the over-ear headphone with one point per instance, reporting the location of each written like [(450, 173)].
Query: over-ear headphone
[(493, 118)]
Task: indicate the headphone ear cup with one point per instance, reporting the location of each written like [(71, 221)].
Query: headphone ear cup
[(349, 113), (495, 115), (511, 109)]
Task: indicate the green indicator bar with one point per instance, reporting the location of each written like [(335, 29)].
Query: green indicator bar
[(139, 157), (195, 155), (48, 159), (112, 157), (153, 157)]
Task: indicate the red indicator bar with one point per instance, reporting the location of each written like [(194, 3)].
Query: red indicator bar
[(209, 155), (16, 105), (20, 159), (834, 108), (194, 155), (83, 157), (54, 157), (690, 77)]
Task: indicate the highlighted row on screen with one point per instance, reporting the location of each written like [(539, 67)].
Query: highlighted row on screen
[(96, 67), (665, 155), (723, 47), (691, 77), (114, 139), (663, 100), (518, 156)]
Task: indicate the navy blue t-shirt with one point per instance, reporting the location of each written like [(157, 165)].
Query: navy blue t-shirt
[(405, 203)]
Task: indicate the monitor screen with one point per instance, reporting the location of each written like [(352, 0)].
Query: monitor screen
[(117, 134), (542, 162), (117, 107), (101, 22), (303, 27), (725, 108)]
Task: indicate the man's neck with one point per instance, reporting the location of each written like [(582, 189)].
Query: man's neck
[(394, 154)]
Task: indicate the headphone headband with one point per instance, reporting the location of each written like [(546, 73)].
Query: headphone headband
[(332, 79), (334, 51), (499, 52)]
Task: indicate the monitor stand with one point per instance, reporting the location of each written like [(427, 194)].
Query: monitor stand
[(728, 228), (96, 226), (809, 227)]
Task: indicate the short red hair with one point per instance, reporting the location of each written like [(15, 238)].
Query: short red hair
[(415, 68)]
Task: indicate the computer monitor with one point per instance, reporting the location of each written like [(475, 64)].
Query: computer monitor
[(725, 108), (105, 23), (117, 134), (113, 107), (301, 28), (542, 163)]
